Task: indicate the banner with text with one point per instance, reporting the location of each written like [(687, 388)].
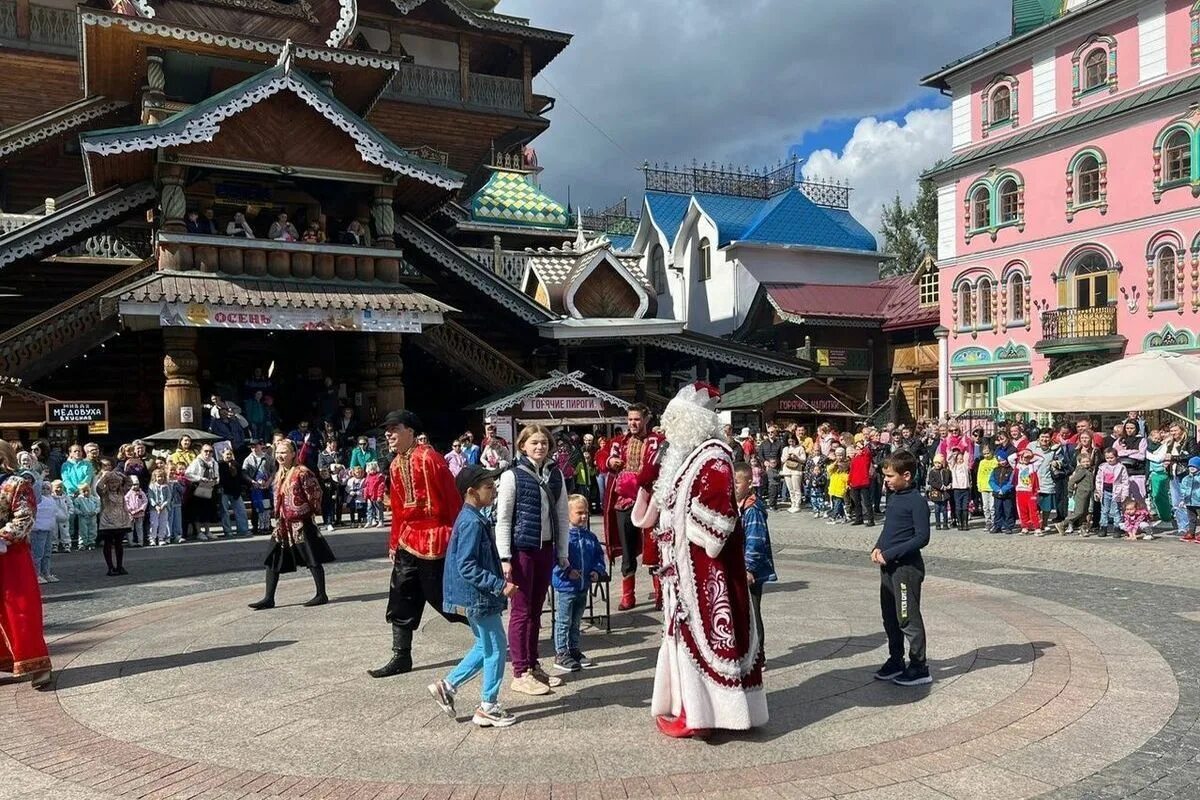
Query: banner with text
[(216, 315), (559, 405)]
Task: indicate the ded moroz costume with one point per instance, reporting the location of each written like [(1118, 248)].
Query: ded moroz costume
[(623, 460), (425, 503), (710, 665)]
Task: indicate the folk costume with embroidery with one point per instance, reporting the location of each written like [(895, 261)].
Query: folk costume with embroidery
[(710, 664), (622, 537), (22, 641), (295, 538)]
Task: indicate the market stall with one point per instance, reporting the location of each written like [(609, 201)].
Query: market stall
[(809, 400), (562, 400)]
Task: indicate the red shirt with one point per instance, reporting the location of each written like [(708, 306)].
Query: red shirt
[(425, 503), (860, 469)]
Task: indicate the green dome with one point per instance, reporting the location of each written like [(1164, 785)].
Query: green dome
[(480, 5)]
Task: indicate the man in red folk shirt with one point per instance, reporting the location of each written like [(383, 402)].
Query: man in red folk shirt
[(625, 458), (424, 504)]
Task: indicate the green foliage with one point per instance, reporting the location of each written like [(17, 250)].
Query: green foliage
[(909, 231)]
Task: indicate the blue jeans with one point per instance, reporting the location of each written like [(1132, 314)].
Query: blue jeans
[(1110, 510), (1005, 514), (1181, 514), (41, 548), (486, 656), (569, 617), (176, 523), (233, 503)]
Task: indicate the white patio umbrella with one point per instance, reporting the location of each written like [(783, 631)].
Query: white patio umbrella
[(1145, 382)]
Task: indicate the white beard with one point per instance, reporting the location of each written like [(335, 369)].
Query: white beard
[(686, 427)]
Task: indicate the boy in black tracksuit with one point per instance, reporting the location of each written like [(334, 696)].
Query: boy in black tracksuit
[(898, 554)]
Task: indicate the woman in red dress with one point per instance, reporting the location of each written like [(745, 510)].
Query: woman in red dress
[(22, 643), (295, 538)]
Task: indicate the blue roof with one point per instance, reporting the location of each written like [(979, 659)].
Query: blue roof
[(788, 218), (619, 241)]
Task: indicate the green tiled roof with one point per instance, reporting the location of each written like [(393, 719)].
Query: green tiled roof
[(1030, 14), (512, 198), (1132, 103), (754, 395)]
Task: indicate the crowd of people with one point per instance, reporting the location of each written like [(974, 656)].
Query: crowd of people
[(205, 223)]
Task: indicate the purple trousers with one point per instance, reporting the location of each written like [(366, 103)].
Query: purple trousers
[(531, 573)]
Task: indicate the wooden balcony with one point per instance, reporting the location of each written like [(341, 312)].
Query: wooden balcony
[(269, 258), (440, 85), (121, 244), (1068, 330), (510, 266), (31, 26), (910, 359)]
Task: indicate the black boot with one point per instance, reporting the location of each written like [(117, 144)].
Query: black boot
[(268, 600), (401, 655), (320, 598), (965, 518)]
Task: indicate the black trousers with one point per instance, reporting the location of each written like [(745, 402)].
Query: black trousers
[(415, 582), (631, 542), (859, 505), (900, 604), (774, 481), (756, 590)]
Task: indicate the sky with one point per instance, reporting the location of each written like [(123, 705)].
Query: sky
[(750, 82)]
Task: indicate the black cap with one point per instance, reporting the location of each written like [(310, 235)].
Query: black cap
[(472, 475), (406, 418)]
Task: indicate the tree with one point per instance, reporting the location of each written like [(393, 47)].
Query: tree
[(901, 240), (925, 215)]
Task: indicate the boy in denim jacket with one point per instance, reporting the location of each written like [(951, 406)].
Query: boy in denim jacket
[(760, 561), (572, 586), (473, 586)]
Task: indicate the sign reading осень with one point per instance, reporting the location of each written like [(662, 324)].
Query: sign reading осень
[(76, 412)]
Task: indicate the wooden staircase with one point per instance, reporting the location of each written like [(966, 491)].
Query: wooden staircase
[(472, 357)]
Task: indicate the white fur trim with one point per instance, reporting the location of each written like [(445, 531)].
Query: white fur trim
[(708, 528), (645, 510)]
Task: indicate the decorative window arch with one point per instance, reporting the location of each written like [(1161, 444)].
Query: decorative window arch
[(705, 259), (1014, 294), (1094, 66), (1008, 201), (1175, 158), (1086, 259), (658, 269), (1087, 182), (999, 103), (966, 307), (1165, 260), (995, 201), (987, 297), (979, 207)]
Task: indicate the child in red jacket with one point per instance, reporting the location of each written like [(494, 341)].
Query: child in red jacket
[(1027, 492), (374, 486), (859, 502)]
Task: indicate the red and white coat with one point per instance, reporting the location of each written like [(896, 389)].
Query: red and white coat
[(710, 664)]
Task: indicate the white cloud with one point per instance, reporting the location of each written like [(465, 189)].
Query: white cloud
[(883, 158)]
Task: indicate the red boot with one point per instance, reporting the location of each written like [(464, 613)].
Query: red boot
[(628, 598), (677, 727), (656, 595)]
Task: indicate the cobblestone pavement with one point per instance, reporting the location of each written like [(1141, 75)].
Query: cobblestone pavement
[(1063, 669)]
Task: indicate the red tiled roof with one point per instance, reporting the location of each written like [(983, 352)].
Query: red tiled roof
[(893, 302)]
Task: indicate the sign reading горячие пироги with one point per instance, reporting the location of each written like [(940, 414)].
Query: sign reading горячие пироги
[(76, 412), (558, 404)]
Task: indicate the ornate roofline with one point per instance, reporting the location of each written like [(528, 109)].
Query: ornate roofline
[(143, 7), (557, 380), (371, 145), (485, 21), (249, 43), (468, 269), (72, 220), (729, 353), (346, 23), (55, 122)]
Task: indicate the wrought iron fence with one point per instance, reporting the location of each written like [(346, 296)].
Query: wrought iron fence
[(510, 266), (1077, 323), (54, 26), (492, 91), (8, 19), (429, 83), (744, 182)]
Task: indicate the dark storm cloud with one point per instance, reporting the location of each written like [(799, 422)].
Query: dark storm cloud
[(730, 81)]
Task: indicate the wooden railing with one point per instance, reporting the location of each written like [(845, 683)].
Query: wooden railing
[(45, 27), (1079, 323), (510, 266), (116, 244), (445, 85)]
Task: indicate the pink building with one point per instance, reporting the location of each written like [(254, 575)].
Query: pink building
[(1068, 220)]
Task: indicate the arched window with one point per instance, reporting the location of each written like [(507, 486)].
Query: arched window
[(985, 301), (928, 287), (1009, 203), (966, 307), (981, 208), (1090, 278), (1177, 157), (1164, 266), (658, 269), (1087, 180), (1016, 297), (1001, 104), (705, 259), (1095, 69)]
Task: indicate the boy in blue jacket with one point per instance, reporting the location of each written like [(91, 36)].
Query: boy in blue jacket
[(1002, 483), (572, 586), (474, 587), (760, 561)]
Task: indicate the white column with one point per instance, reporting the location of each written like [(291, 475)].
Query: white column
[(943, 339)]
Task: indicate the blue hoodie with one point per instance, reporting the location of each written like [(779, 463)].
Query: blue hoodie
[(760, 561), (586, 555)]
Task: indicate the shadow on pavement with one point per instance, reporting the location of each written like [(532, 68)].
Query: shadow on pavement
[(95, 673)]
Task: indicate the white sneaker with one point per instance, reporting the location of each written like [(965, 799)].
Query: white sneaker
[(443, 695), (527, 684), (831, 522), (51, 578), (42, 579), (204, 537), (493, 717)]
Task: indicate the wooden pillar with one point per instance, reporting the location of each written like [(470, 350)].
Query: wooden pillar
[(181, 390), (639, 373), (154, 90), (22, 19), (527, 76), (368, 375), (172, 198), (464, 67), (383, 217), (390, 366)]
